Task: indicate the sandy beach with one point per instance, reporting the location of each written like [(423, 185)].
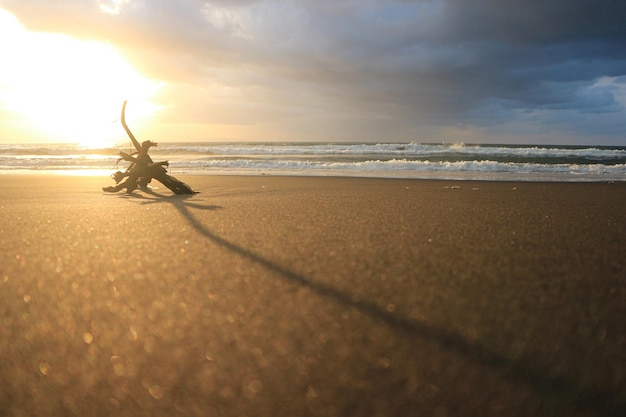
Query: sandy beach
[(298, 296)]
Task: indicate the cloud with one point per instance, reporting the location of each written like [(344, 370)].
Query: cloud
[(406, 65), (536, 22)]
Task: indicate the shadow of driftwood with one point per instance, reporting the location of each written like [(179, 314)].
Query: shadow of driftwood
[(601, 403), (174, 199)]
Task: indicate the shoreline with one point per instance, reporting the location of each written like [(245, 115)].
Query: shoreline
[(432, 176), (278, 296), (361, 160)]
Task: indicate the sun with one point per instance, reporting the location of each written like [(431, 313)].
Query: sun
[(68, 90)]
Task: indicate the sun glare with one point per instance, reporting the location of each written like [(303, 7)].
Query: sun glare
[(65, 89)]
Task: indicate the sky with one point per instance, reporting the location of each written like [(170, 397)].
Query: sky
[(472, 71)]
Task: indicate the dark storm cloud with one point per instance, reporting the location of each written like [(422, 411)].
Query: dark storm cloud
[(536, 21), (442, 62), (539, 52)]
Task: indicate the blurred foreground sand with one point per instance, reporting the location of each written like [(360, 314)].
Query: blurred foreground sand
[(270, 296)]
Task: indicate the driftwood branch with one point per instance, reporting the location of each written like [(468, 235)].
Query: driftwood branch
[(142, 169), (126, 128)]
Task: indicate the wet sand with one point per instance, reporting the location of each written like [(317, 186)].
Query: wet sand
[(270, 296)]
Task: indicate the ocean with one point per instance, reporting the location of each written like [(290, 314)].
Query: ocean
[(384, 160)]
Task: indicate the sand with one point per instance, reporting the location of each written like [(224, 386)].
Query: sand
[(272, 296)]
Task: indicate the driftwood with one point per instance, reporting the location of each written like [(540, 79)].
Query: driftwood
[(142, 169)]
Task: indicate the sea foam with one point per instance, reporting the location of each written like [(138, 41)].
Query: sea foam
[(398, 160)]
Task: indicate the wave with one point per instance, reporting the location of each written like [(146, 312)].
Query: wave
[(412, 149), (358, 159), (54, 150), (403, 165), (404, 149)]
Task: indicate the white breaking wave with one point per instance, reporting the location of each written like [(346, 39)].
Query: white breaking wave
[(390, 149), (401, 166), (398, 160)]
